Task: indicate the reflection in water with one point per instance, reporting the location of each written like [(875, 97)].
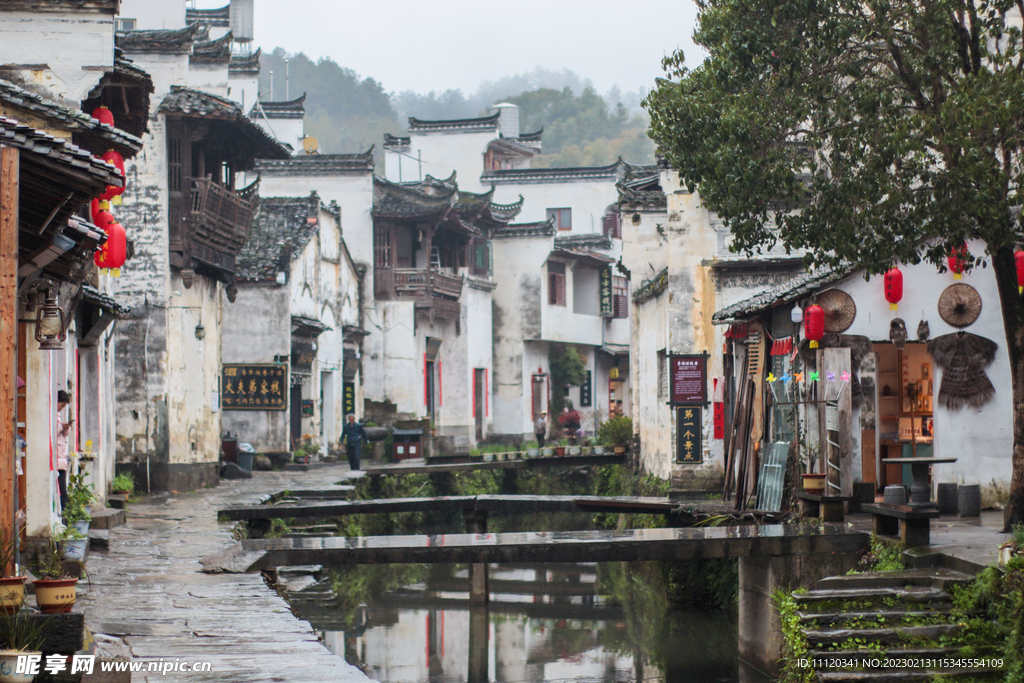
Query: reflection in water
[(582, 622)]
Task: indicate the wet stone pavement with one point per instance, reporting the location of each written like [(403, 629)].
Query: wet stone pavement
[(150, 600)]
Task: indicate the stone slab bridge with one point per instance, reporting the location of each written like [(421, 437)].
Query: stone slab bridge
[(770, 557)]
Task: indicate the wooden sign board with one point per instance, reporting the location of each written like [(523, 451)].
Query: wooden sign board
[(688, 379), (253, 387)]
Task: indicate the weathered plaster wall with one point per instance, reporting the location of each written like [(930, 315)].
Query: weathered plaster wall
[(152, 15), (63, 54), (211, 78), (288, 131), (588, 200), (257, 327), (442, 153), (393, 363)]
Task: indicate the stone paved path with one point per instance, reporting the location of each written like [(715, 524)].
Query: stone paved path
[(150, 600)]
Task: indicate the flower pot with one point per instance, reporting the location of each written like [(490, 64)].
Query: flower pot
[(74, 549), (55, 595), (560, 451), (547, 452), (620, 450), (532, 453), (82, 526), (12, 594), (488, 457), (598, 450), (9, 665), (573, 450), (814, 483), (1007, 552)]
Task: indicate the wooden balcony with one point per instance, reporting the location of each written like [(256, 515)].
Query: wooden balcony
[(218, 217), (435, 291)]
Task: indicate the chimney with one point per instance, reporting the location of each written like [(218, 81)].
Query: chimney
[(508, 121)]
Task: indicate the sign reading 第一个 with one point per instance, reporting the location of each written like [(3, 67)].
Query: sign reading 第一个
[(689, 448), (253, 387)]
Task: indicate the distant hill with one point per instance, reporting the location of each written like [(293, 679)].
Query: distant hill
[(348, 113)]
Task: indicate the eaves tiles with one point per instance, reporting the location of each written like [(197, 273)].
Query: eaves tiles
[(281, 229), (798, 287)]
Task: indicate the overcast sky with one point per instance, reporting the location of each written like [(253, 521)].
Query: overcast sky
[(457, 44)]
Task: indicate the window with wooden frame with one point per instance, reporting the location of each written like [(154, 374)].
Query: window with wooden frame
[(480, 257), (556, 283), (613, 225), (562, 218), (620, 297), (382, 246)]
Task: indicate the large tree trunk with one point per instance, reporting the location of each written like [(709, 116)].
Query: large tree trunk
[(1013, 322)]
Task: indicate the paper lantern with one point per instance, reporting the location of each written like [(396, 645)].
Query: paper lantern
[(95, 206), (113, 252), (117, 161), (956, 261), (814, 324), (796, 315), (102, 219), (103, 115), (893, 281), (1019, 258)]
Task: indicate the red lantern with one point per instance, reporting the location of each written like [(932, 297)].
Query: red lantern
[(814, 324), (102, 219), (956, 261), (117, 161), (103, 115), (1019, 258), (113, 252), (893, 287)]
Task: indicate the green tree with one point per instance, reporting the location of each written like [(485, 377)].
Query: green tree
[(568, 369), (895, 126)]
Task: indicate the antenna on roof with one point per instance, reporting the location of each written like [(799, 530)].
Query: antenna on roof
[(310, 144)]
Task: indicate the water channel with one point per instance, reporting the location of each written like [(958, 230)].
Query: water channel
[(603, 622)]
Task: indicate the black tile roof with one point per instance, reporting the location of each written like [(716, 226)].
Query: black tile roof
[(640, 188), (553, 175), (91, 295), (538, 229), (245, 63), (219, 17), (594, 241), (281, 229), (482, 123), (213, 51), (799, 286), (292, 109), (52, 150), (173, 41), (319, 165), (72, 120), (395, 142), (191, 102)]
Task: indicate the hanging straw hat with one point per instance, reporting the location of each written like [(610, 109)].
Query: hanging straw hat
[(840, 310), (960, 305)]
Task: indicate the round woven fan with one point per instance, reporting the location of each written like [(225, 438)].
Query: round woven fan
[(960, 305), (840, 310)]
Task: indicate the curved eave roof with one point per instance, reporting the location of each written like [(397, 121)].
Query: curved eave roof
[(405, 202), (553, 175), (482, 123)]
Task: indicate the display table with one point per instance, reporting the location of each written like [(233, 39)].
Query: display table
[(920, 491)]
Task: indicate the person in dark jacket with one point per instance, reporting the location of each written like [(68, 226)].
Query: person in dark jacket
[(353, 435)]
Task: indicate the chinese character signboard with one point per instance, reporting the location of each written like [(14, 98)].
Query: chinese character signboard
[(688, 379), (587, 392), (607, 305), (689, 449), (253, 387), (348, 400)]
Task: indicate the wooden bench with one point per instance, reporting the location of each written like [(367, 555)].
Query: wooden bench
[(912, 525), (829, 508)]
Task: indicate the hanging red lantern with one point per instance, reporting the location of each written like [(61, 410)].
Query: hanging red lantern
[(893, 287), (1019, 258), (112, 254), (956, 261), (102, 219), (814, 324), (117, 161), (103, 115)]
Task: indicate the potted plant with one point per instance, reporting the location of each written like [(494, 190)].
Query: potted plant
[(56, 586), (560, 447), (12, 587), (532, 449), (80, 497), (121, 489), (19, 635), (571, 421), (617, 432)]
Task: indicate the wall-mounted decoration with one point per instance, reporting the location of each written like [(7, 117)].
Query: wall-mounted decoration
[(898, 333), (963, 358), (960, 305), (307, 407), (893, 283), (923, 330), (840, 310)]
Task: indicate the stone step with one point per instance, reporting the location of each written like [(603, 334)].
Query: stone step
[(914, 594), (938, 577), (909, 675), (891, 652), (893, 616), (885, 636), (107, 518)]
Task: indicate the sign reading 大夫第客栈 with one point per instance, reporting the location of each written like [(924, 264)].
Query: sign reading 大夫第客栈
[(607, 304), (689, 449), (688, 378), (253, 387)]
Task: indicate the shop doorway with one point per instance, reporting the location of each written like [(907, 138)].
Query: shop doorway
[(904, 403)]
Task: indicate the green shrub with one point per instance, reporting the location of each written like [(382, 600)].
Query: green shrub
[(616, 431), (123, 483)]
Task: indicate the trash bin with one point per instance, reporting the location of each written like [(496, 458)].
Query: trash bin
[(407, 444), (245, 456)]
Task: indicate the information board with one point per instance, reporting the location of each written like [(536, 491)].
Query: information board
[(688, 378), (348, 400), (253, 387)]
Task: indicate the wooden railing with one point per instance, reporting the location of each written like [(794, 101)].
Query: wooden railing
[(435, 290), (218, 217)]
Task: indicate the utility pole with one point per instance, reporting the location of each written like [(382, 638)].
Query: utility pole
[(9, 187)]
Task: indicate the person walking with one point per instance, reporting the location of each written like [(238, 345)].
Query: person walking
[(540, 428), (63, 429), (353, 435)]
